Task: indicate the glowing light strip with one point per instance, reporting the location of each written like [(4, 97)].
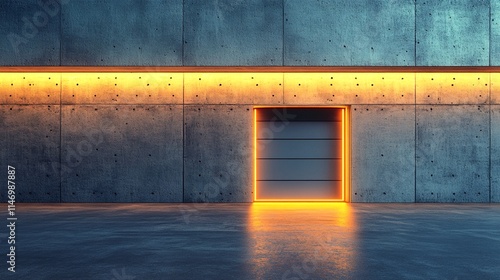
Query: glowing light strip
[(298, 200), (255, 154), (343, 154), (347, 160)]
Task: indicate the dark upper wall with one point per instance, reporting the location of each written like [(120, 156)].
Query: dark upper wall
[(250, 32)]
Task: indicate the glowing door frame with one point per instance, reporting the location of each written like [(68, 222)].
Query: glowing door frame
[(345, 155)]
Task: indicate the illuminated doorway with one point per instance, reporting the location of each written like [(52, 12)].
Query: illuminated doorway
[(301, 154)]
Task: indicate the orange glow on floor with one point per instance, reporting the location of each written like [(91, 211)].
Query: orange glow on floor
[(318, 234)]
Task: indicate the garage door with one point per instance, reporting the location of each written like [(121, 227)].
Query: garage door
[(299, 154)]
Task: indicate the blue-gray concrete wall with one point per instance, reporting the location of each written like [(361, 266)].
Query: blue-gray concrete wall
[(411, 142), (251, 32)]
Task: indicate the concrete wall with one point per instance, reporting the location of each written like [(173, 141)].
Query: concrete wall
[(251, 32), (170, 137)]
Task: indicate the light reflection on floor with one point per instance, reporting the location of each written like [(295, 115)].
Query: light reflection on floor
[(294, 241), (309, 238)]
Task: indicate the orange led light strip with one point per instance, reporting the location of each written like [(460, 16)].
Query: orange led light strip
[(343, 154), (255, 154)]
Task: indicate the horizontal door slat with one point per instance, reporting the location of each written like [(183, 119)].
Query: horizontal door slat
[(299, 190), (299, 114), (299, 169), (299, 130), (327, 149)]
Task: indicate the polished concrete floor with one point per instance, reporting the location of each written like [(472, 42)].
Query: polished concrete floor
[(255, 241)]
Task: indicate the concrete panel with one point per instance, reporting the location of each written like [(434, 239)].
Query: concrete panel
[(349, 88), (495, 33), (495, 153), (495, 88), (30, 143), (30, 32), (122, 32), (452, 153), (122, 88), (30, 88), (218, 154), (122, 153), (452, 33), (452, 88), (229, 32), (360, 32), (233, 88), (383, 153)]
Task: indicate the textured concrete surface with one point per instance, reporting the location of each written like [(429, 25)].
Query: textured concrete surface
[(29, 32), (361, 32), (233, 88), (495, 88), (215, 94), (452, 88), (122, 88), (122, 154), (31, 144), (452, 32), (349, 88), (233, 32), (122, 32), (383, 153), (218, 153), (246, 33), (32, 88), (495, 33), (495, 153), (452, 153), (256, 241)]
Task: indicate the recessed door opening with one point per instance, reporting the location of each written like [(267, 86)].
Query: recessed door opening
[(301, 154)]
